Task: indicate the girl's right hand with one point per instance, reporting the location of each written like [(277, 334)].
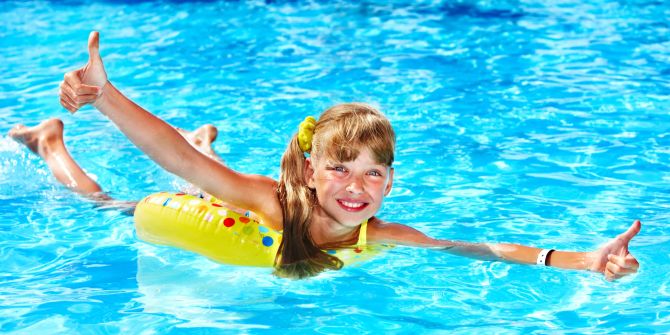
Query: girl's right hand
[(84, 86)]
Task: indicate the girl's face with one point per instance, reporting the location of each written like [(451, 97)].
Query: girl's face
[(349, 192)]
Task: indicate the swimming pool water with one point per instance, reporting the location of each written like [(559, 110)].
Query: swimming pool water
[(536, 122)]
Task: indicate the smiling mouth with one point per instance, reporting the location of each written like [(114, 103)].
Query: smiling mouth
[(352, 206)]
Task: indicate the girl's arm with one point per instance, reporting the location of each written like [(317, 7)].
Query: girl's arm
[(161, 141), (169, 149), (612, 259)]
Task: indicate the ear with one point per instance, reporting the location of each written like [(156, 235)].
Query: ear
[(389, 185), (308, 172)]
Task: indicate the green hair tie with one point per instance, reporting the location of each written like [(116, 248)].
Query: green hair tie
[(305, 133)]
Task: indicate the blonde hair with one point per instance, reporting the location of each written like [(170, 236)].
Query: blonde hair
[(339, 134)]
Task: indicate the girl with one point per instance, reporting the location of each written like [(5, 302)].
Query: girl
[(334, 176)]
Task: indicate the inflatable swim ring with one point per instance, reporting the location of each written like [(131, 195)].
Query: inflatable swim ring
[(208, 228)]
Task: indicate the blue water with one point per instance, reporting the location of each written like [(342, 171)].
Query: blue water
[(536, 122)]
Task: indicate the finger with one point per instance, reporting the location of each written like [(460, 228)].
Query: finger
[(64, 96), (88, 89), (73, 78), (628, 261), (66, 91), (69, 101), (631, 262), (76, 87), (617, 270), (67, 105), (611, 276), (613, 268), (93, 47), (632, 231), (81, 100)]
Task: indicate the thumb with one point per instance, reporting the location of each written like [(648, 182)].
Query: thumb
[(632, 231), (93, 47), (94, 72)]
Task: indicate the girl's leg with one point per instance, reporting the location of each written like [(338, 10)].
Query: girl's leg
[(202, 139), (46, 140)]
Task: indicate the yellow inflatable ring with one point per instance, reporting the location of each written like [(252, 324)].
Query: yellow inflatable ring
[(208, 228)]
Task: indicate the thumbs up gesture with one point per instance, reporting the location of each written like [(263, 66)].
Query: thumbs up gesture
[(613, 259), (85, 85)]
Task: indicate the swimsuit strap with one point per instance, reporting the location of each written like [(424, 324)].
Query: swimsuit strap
[(362, 234)]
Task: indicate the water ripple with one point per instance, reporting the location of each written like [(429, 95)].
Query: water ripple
[(542, 123)]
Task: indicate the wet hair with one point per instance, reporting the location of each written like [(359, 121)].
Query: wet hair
[(339, 134)]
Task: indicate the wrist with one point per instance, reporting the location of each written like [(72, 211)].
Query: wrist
[(103, 96), (588, 260), (543, 257)]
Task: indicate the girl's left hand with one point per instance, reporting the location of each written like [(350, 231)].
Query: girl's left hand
[(613, 258)]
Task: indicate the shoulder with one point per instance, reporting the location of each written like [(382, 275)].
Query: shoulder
[(380, 231), (260, 194), (269, 208)]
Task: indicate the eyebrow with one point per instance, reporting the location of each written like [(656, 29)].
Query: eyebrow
[(333, 162)]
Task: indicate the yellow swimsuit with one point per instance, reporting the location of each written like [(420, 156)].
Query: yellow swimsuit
[(223, 235)]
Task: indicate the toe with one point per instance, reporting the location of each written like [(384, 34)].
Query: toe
[(16, 130)]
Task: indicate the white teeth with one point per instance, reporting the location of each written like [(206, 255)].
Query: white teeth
[(352, 204)]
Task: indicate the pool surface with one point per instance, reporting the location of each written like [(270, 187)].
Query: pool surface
[(542, 123)]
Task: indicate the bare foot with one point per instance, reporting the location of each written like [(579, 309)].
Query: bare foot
[(46, 140), (40, 137), (203, 136), (202, 139)]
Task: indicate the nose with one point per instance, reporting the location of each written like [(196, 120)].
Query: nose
[(355, 186)]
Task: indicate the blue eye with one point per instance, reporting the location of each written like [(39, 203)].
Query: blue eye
[(375, 173), (336, 168)]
